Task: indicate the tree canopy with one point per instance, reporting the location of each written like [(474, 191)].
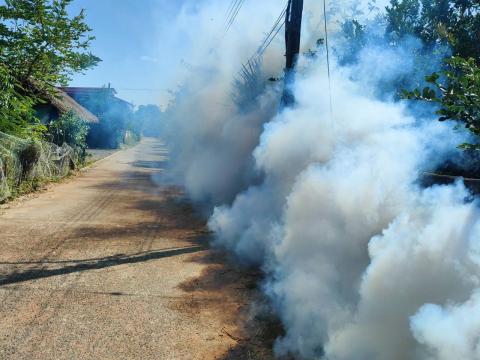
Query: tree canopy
[(41, 46), (455, 88), (452, 22)]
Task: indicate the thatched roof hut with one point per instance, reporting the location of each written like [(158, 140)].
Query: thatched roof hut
[(64, 103)]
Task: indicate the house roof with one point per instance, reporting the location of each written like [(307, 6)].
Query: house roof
[(124, 102), (88, 92), (64, 103), (79, 91)]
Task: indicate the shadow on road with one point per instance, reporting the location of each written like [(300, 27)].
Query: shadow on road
[(101, 263), (145, 164)]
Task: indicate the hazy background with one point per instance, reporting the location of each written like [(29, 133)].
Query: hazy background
[(135, 42)]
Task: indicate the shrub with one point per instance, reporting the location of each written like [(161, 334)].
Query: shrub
[(69, 129)]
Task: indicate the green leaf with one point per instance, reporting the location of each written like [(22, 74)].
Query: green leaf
[(432, 78)]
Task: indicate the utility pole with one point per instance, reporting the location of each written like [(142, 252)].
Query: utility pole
[(293, 30)]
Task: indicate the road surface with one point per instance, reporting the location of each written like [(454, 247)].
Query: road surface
[(114, 265)]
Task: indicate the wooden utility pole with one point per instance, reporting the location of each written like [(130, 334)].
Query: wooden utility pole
[(293, 30)]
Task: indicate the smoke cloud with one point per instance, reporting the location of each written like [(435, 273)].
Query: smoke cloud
[(361, 260)]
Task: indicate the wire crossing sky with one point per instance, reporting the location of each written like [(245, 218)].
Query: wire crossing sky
[(131, 39)]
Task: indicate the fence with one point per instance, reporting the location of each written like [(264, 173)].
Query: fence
[(24, 162)]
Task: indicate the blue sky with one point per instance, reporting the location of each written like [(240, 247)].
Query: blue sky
[(132, 41)]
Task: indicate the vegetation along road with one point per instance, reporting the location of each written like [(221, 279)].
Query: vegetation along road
[(112, 265)]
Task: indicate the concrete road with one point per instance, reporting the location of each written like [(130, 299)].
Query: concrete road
[(113, 265)]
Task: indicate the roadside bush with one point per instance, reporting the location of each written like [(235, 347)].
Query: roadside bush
[(69, 129)]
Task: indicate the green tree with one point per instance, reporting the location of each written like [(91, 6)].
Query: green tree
[(457, 93), (402, 18), (455, 87), (41, 46), (451, 22), (355, 35), (41, 42), (16, 111)]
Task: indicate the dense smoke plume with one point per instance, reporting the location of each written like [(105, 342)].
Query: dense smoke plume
[(361, 261)]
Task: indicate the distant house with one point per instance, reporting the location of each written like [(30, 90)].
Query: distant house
[(96, 99), (115, 114), (59, 103)]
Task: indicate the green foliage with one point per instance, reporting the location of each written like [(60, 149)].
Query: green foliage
[(452, 22), (16, 110), (455, 87), (457, 92), (354, 33), (41, 46), (69, 129), (402, 18), (40, 41)]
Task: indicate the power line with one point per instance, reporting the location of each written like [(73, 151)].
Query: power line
[(235, 12), (277, 27), (230, 13), (230, 10), (328, 57), (272, 38), (249, 69), (279, 19), (142, 89)]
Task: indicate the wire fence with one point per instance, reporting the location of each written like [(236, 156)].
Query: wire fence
[(27, 162)]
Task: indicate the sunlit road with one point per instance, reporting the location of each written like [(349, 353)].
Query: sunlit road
[(113, 265)]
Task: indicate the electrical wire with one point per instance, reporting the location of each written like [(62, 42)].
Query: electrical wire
[(272, 34), (328, 57), (142, 89), (272, 38), (275, 30), (230, 11), (236, 10)]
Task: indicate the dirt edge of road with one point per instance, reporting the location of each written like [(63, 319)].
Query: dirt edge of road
[(253, 325)]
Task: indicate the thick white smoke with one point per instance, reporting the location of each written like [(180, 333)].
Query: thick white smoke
[(449, 332), (211, 137), (362, 262), (329, 203), (424, 256)]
